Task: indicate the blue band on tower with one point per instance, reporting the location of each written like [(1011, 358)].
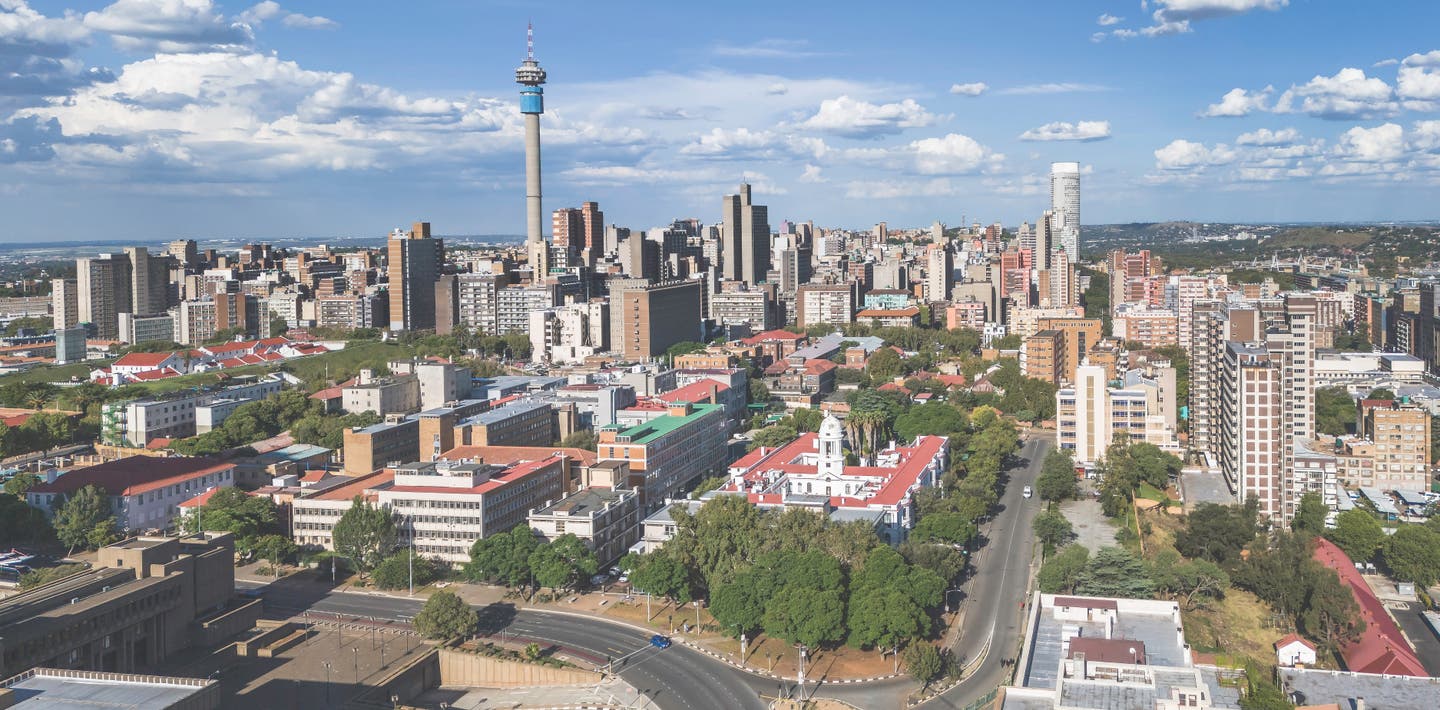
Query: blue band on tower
[(532, 100)]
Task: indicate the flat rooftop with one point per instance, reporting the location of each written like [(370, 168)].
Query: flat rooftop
[(54, 689), (1381, 692), (585, 502)]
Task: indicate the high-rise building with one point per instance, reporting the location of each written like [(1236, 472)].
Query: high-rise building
[(652, 317), (567, 236), (1065, 204), (593, 232), (937, 272), (532, 103), (149, 281), (185, 252), (478, 295), (745, 239), (64, 305), (103, 292), (1401, 434), (415, 263)]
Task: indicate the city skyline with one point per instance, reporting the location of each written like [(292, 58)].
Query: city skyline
[(142, 120)]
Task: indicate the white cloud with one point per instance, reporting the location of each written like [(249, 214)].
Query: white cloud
[(1209, 9), (769, 48), (1385, 63), (37, 56), (776, 89), (812, 174), (856, 118), (298, 21), (1065, 131), (1107, 20), (169, 26), (1181, 154), (1267, 137), (260, 12), (972, 89), (1060, 87), (745, 144), (1347, 95), (1372, 145), (1239, 102), (952, 154), (898, 189), (1418, 81), (269, 10)]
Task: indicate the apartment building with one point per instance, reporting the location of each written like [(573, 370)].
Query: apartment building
[(1401, 435), (137, 422), (381, 395), (1092, 414), (669, 453), (817, 304), (1080, 334), (1150, 327), (647, 319), (373, 447), (521, 423), (1042, 357)]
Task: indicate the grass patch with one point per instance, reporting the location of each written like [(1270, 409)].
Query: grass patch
[(1150, 492), (343, 364), (1238, 625), (52, 373)]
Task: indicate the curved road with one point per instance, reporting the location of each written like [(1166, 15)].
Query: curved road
[(680, 678)]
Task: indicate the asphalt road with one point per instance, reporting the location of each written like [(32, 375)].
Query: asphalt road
[(679, 678)]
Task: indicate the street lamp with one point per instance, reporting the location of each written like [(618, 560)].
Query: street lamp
[(800, 676), (357, 664), (327, 681)]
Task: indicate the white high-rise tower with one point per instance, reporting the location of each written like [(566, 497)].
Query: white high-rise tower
[(532, 103), (1065, 206)]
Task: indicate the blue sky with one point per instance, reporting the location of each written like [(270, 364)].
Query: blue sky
[(156, 119)]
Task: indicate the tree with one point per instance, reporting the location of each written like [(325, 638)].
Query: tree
[(739, 606), (759, 393), (684, 347), (924, 663), (943, 560), (772, 436), (1061, 572), (1331, 615), (22, 522), (1413, 555), (1358, 533), (1193, 582), (446, 616), (1052, 528), (883, 617), (1310, 517), (394, 572), (1057, 477), (885, 364), (239, 513), (1262, 693), (562, 563), (662, 575), (20, 483), (1218, 532), (503, 558), (364, 534), (1155, 466), (583, 439), (80, 514), (952, 528), (1381, 393), (1334, 411), (1114, 572), (930, 419), (275, 548), (805, 616)]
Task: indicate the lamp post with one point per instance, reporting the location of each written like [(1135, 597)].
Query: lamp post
[(357, 664), (697, 617), (327, 681), (742, 648), (800, 676)]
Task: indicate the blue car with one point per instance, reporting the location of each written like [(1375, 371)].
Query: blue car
[(659, 641)]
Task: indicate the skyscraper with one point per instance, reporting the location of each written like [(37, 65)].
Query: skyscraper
[(745, 242), (594, 231), (415, 264), (1065, 204), (532, 103), (103, 292)]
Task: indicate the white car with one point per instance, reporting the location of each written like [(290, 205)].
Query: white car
[(1027, 492)]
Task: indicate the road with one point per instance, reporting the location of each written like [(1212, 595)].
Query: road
[(674, 678), (679, 678)]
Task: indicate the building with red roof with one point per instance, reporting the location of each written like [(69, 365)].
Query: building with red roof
[(1382, 647), (144, 491), (810, 472)]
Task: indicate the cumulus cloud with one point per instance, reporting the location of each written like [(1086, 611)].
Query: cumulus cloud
[(1372, 145), (1058, 87), (269, 10), (1173, 17), (37, 55), (1181, 154), (1239, 102), (28, 139), (812, 174), (1065, 131), (1106, 20), (855, 118), (972, 89), (1418, 81), (952, 154), (1267, 137), (1347, 95), (169, 26)]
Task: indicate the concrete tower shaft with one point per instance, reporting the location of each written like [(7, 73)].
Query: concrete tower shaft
[(530, 76)]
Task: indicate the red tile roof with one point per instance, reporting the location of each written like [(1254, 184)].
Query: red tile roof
[(505, 455), (142, 359), (135, 474), (1109, 650), (1381, 648), (819, 367), (771, 335), (698, 391), (1293, 638), (201, 499), (884, 486)]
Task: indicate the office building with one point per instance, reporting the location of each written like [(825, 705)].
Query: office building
[(415, 261), (646, 319), (1065, 207), (669, 453), (521, 423), (145, 600), (144, 492), (605, 519), (137, 422), (367, 449), (1400, 432), (745, 238)]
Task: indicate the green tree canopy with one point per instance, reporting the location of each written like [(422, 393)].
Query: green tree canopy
[(661, 575), (446, 616), (503, 558), (394, 572), (1334, 411), (81, 516), (884, 365), (923, 662), (1053, 529), (1412, 554), (952, 528), (364, 534), (1057, 480), (1218, 532), (1061, 572), (1114, 572), (1358, 533), (1310, 517), (20, 483), (562, 562)]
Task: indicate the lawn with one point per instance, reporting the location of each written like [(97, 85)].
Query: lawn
[(50, 373), (343, 364)]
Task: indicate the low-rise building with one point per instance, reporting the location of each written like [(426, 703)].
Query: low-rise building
[(144, 492), (670, 452), (521, 423), (607, 520), (382, 395), (906, 317), (173, 416), (373, 447)]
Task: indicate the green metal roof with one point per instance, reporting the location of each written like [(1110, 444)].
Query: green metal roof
[(666, 423)]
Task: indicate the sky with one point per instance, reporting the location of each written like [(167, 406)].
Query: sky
[(163, 119)]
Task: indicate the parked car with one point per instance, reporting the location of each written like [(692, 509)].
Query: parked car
[(659, 641), (599, 579), (1027, 492)]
